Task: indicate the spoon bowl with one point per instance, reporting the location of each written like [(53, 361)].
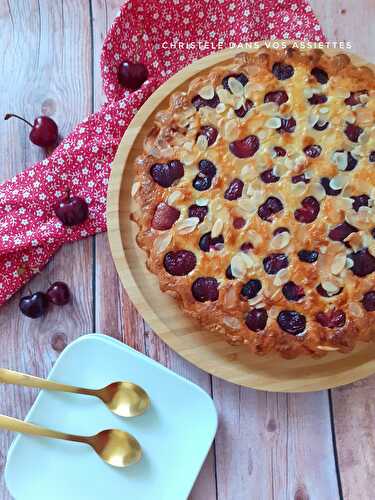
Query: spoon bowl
[(117, 448), (125, 399)]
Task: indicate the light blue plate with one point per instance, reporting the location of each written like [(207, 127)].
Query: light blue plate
[(175, 434)]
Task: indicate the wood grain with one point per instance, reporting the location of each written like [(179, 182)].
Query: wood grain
[(353, 405), (44, 69)]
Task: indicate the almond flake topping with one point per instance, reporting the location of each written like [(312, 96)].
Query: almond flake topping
[(161, 242), (281, 240), (217, 228), (135, 188), (186, 226), (338, 264), (202, 143), (207, 92)]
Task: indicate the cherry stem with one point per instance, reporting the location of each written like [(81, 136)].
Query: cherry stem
[(11, 115)]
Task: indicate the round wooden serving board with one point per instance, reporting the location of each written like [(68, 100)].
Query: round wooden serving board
[(206, 350)]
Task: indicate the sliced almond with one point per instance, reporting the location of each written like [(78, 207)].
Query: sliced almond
[(188, 145), (173, 197), (202, 143), (235, 86), (255, 300), (273, 123), (281, 240), (202, 202), (217, 228), (225, 97), (355, 309), (135, 188), (221, 107), (317, 191), (338, 182), (326, 348), (338, 264), (232, 322), (238, 266), (281, 277), (230, 130), (340, 158), (255, 238), (330, 287), (162, 241), (207, 92)]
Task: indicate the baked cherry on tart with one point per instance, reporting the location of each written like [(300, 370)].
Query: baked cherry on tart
[(255, 194)]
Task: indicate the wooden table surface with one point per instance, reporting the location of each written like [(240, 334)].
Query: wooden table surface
[(317, 446)]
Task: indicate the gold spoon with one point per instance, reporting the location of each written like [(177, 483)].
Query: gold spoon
[(123, 398), (117, 448)]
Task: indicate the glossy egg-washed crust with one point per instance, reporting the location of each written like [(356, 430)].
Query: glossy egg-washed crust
[(173, 136)]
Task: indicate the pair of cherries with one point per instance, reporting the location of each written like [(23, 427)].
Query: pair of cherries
[(37, 304)]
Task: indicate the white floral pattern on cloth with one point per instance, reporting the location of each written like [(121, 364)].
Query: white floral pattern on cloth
[(30, 233)]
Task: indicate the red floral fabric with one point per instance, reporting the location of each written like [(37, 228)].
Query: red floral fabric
[(165, 35)]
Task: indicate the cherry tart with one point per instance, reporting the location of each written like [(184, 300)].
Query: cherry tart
[(255, 195)]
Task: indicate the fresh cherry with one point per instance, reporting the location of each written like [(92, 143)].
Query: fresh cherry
[(355, 97), (205, 289), (353, 132), (282, 71), (164, 217), (131, 75), (312, 151), (35, 305), (293, 292), (309, 210), (180, 263), (292, 322), (270, 207), (72, 210), (166, 173), (317, 99), (251, 289), (267, 176), (274, 262), (234, 190), (364, 262), (342, 231), (243, 110), (58, 293), (360, 201), (288, 125), (331, 319), (210, 133), (320, 75), (320, 125), (277, 96), (245, 148), (368, 301), (198, 211), (44, 131), (256, 319), (309, 256)]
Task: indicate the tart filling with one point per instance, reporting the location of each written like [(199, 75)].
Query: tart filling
[(255, 195)]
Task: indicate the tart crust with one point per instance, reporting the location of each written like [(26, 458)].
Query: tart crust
[(176, 135)]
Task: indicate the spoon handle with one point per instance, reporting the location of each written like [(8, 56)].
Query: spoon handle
[(17, 378), (15, 425)]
